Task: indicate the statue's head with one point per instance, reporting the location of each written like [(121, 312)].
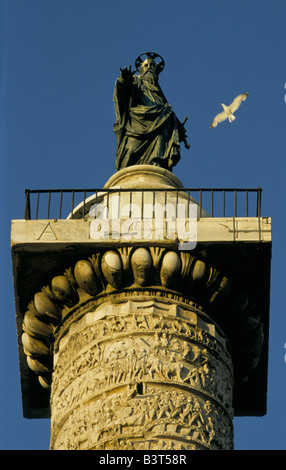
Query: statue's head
[(148, 66)]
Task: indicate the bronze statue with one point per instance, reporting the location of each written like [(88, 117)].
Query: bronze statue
[(146, 128)]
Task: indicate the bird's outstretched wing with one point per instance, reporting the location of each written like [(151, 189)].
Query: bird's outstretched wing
[(219, 118), (237, 102)]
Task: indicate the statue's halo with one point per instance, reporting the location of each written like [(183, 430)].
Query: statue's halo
[(152, 55)]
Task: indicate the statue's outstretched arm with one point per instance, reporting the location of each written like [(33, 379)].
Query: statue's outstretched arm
[(126, 75)]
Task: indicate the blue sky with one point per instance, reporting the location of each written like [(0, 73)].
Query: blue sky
[(59, 60)]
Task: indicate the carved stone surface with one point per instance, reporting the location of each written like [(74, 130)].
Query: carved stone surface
[(130, 355), (141, 375), (155, 272)]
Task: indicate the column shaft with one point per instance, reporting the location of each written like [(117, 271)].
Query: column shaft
[(143, 375)]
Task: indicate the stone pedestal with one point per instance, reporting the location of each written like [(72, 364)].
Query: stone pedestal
[(142, 343)]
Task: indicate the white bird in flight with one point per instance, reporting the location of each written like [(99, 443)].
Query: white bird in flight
[(229, 110)]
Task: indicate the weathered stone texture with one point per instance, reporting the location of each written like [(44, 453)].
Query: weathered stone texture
[(141, 375)]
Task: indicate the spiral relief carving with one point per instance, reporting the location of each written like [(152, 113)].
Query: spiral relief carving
[(141, 376)]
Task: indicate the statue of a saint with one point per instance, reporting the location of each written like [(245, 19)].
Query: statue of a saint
[(146, 128)]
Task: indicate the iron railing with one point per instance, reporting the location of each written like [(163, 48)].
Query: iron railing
[(213, 202)]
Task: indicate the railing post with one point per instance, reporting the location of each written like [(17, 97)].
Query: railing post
[(61, 201), (27, 214), (72, 204), (84, 197), (259, 190), (49, 203), (223, 203)]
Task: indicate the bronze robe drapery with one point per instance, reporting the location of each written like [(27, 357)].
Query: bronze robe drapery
[(146, 128)]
